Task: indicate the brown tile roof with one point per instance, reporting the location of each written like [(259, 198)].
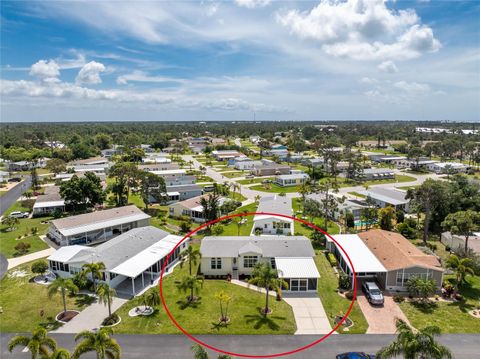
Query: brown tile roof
[(394, 251)]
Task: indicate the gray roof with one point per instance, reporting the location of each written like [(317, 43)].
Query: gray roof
[(268, 246), (275, 204), (117, 250), (387, 195), (377, 170), (184, 187)]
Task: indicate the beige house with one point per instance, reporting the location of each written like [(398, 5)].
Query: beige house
[(386, 257)]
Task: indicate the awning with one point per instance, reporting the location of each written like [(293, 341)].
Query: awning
[(302, 267)]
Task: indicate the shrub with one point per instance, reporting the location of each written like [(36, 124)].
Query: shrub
[(432, 246), (22, 248), (349, 295), (344, 281), (217, 230), (398, 298), (331, 258), (40, 266), (405, 230), (82, 282), (185, 227), (422, 288)]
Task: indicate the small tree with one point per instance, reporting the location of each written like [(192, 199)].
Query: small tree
[(105, 295), (39, 344), (344, 281), (462, 267), (386, 216), (62, 285), (10, 222), (191, 284), (421, 287), (100, 342), (95, 270), (22, 248), (191, 254), (151, 298), (223, 299), (40, 266), (462, 223)]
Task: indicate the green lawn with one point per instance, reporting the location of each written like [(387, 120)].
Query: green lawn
[(406, 188), (303, 230), (234, 174), (449, 317), (201, 178), (255, 180), (21, 302), (202, 318), (231, 229), (357, 194), (8, 239), (333, 303), (275, 188), (237, 196), (398, 179)]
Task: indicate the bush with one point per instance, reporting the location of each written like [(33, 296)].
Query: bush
[(185, 227), (217, 230), (22, 248), (344, 281), (82, 282), (40, 266), (432, 246), (405, 230), (349, 295), (398, 298), (331, 258)]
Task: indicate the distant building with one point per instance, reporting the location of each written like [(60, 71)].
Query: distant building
[(222, 155), (385, 197), (447, 167), (456, 242), (190, 208), (270, 224), (49, 202), (183, 192), (372, 174), (292, 179), (270, 169)]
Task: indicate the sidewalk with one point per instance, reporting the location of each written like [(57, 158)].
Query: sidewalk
[(14, 262), (90, 318)]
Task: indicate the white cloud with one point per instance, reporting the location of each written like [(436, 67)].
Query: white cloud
[(368, 81), (90, 73), (413, 88), (388, 66), (362, 30), (141, 76), (252, 4), (46, 71)]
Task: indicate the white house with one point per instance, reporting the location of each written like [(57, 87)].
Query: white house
[(292, 179), (191, 208), (292, 257), (384, 197), (268, 223), (133, 260), (49, 202), (96, 227), (447, 167)]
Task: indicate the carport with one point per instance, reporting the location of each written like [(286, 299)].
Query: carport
[(366, 265)]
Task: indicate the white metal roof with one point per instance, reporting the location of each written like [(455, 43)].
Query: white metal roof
[(362, 258), (49, 204), (300, 267), (169, 172), (64, 254), (137, 264), (102, 224)]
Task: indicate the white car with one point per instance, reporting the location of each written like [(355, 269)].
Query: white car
[(18, 214)]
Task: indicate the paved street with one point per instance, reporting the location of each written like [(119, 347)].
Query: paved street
[(13, 194), (463, 346)]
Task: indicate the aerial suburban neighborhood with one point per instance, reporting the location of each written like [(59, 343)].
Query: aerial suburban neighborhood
[(199, 180)]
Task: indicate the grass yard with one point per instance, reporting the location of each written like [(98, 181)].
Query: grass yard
[(306, 231), (398, 179), (406, 188), (237, 196), (8, 239), (275, 188), (202, 317), (22, 301), (333, 303), (255, 180), (201, 178), (357, 194), (449, 317), (231, 229), (234, 174)]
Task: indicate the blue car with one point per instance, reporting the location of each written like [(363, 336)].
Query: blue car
[(354, 355)]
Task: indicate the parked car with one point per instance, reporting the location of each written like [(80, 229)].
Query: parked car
[(208, 188), (18, 214), (249, 176), (15, 179), (354, 355), (373, 293)]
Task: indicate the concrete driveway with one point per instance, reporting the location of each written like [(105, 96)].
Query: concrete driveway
[(309, 313), (381, 320)]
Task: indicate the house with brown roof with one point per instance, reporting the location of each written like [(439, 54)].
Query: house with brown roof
[(385, 257)]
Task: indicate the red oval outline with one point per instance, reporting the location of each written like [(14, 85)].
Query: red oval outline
[(218, 350)]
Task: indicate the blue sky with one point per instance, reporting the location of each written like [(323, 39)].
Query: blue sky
[(210, 60)]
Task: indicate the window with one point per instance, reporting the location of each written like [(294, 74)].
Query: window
[(216, 263), (112, 275), (273, 264), (249, 261)]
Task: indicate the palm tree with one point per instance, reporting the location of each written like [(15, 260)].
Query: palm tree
[(239, 222), (62, 285), (462, 267), (415, 344), (151, 298), (193, 255), (59, 353), (95, 270), (101, 342), (257, 198), (105, 295), (224, 299), (39, 344), (190, 284), (266, 277)]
